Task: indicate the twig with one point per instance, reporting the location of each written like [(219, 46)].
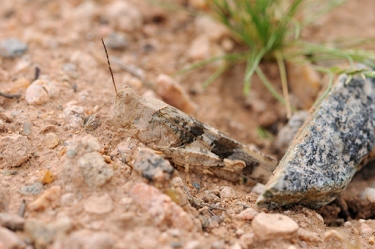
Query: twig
[(134, 70), (10, 96)]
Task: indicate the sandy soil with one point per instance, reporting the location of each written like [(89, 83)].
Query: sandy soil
[(63, 39)]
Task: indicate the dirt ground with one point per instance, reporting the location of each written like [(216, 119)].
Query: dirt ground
[(124, 210)]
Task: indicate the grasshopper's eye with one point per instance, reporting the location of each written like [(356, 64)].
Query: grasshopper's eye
[(127, 97)]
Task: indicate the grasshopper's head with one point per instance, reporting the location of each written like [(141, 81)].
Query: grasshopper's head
[(125, 103), (126, 107)]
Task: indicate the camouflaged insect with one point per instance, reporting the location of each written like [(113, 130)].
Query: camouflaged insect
[(322, 159), (187, 142), (329, 148)]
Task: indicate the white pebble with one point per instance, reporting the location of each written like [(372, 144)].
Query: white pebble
[(270, 226), (247, 214), (98, 204), (51, 140), (40, 91), (14, 150), (74, 115), (9, 239), (258, 188), (368, 194), (246, 240), (227, 192), (365, 229), (125, 16)]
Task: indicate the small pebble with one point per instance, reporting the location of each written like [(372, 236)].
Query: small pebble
[(49, 198), (40, 91), (84, 165), (91, 122), (14, 150), (95, 171), (214, 30), (86, 239), (69, 67), (51, 140), (47, 177), (246, 240), (227, 193), (236, 245), (227, 44), (152, 166), (26, 128), (124, 15), (12, 221), (33, 189), (247, 214), (194, 244), (83, 145), (163, 210), (174, 94), (177, 182), (348, 224), (258, 188), (239, 232), (9, 240), (306, 235), (127, 149), (287, 133), (270, 226), (43, 234), (198, 4), (209, 196), (12, 47), (368, 194), (116, 40), (74, 115), (98, 204), (196, 185), (71, 70), (199, 48), (36, 94), (218, 244), (365, 229)]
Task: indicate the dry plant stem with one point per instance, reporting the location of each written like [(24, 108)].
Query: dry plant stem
[(132, 69), (10, 96), (284, 84)]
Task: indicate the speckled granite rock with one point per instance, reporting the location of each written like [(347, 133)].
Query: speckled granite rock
[(328, 150)]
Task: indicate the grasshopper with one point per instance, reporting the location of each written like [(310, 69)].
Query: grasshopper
[(187, 142)]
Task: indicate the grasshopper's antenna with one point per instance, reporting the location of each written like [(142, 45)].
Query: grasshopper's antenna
[(109, 65)]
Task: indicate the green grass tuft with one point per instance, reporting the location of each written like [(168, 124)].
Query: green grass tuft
[(271, 31)]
